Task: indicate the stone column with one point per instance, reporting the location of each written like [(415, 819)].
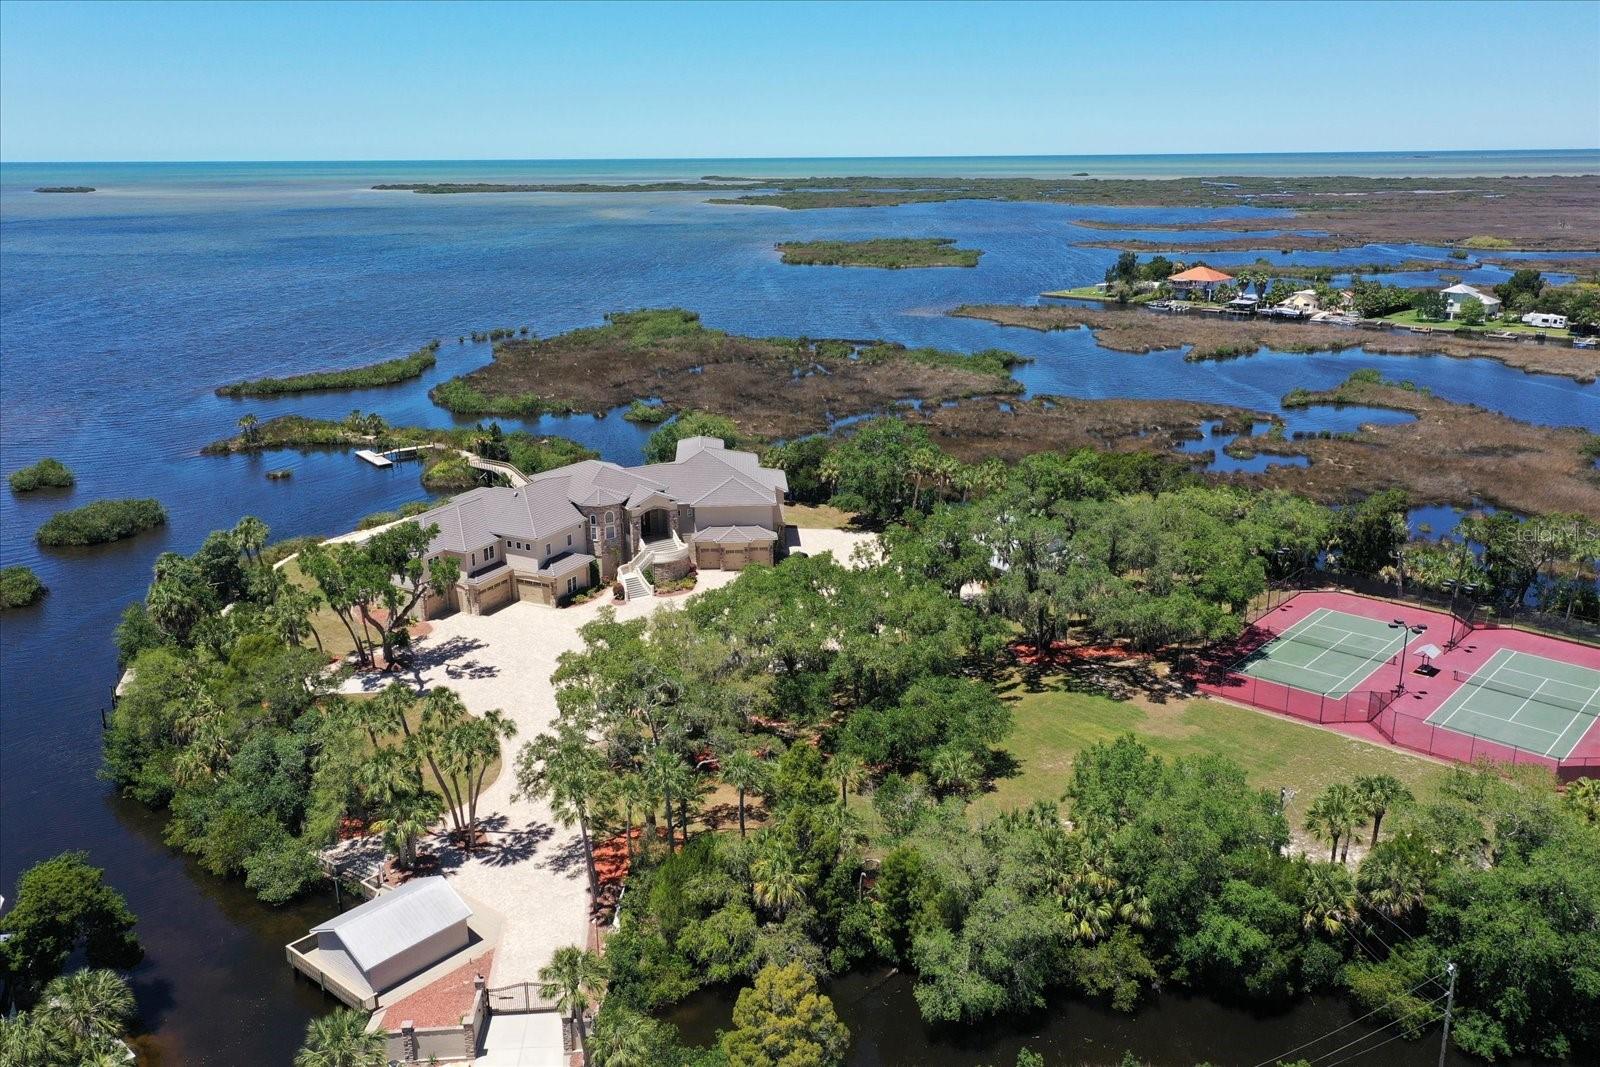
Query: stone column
[(408, 1041)]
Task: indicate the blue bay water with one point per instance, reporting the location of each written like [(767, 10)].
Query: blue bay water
[(122, 310)]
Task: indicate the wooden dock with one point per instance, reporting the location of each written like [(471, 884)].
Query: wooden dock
[(375, 458)]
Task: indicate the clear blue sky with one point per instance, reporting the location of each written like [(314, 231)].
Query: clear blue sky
[(462, 81)]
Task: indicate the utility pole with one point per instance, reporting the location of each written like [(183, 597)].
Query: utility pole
[(1449, 1003)]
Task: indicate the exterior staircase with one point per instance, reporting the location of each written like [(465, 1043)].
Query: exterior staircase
[(631, 574)]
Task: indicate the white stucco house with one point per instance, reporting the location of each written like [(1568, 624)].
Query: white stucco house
[(571, 528), (1457, 295)]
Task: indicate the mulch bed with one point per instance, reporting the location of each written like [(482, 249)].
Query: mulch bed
[(1063, 652)]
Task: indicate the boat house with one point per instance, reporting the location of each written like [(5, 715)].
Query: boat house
[(374, 947)]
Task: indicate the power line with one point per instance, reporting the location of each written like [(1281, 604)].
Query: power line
[(1379, 1030), (1363, 1052), (1398, 996)]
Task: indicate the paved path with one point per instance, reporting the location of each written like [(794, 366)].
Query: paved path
[(532, 873)]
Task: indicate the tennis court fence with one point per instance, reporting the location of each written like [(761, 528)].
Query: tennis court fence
[(1470, 615), (1360, 706), (1419, 735), (1397, 726)]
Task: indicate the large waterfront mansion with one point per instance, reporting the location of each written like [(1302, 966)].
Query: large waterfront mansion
[(570, 528)]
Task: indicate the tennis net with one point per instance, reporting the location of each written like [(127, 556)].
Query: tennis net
[(1359, 646), (1536, 694)]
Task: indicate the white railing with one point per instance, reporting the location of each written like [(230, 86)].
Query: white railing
[(667, 550)]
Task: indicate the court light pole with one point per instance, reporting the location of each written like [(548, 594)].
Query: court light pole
[(1407, 629)]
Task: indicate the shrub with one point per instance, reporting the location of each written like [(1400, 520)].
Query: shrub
[(45, 474), (451, 475), (100, 522), (19, 587), (641, 412)]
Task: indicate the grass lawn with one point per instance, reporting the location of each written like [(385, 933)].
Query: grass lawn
[(1052, 724), (334, 637), (1410, 318), (818, 517), (1091, 292)]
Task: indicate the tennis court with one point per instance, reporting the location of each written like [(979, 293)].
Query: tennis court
[(1538, 704), (1329, 653)]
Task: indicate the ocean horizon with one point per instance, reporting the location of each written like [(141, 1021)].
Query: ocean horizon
[(1418, 164)]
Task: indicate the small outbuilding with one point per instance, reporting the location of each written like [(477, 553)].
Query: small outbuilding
[(1457, 295)]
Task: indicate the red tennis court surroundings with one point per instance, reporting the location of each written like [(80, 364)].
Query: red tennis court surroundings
[(1417, 679)]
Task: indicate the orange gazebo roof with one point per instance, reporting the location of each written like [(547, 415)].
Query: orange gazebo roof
[(1201, 274)]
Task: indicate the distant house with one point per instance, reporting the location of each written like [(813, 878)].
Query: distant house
[(371, 949), (1198, 282), (1301, 300), (568, 528), (1457, 295)]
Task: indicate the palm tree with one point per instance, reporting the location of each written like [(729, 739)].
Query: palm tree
[(1393, 887), (743, 770), (567, 770), (442, 713), (1330, 899), (1584, 794), (623, 1039), (25, 1038), (953, 770), (386, 775), (250, 533), (467, 751), (778, 884), (404, 819), (1376, 794), (91, 1007), (845, 769), (683, 782), (571, 977), (633, 793), (1332, 817), (340, 1039), (247, 428)]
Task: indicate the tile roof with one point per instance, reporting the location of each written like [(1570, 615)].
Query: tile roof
[(1201, 274), (735, 535), (393, 922), (703, 473), (480, 516)]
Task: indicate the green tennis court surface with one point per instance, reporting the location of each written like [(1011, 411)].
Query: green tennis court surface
[(1538, 704), (1328, 653)]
